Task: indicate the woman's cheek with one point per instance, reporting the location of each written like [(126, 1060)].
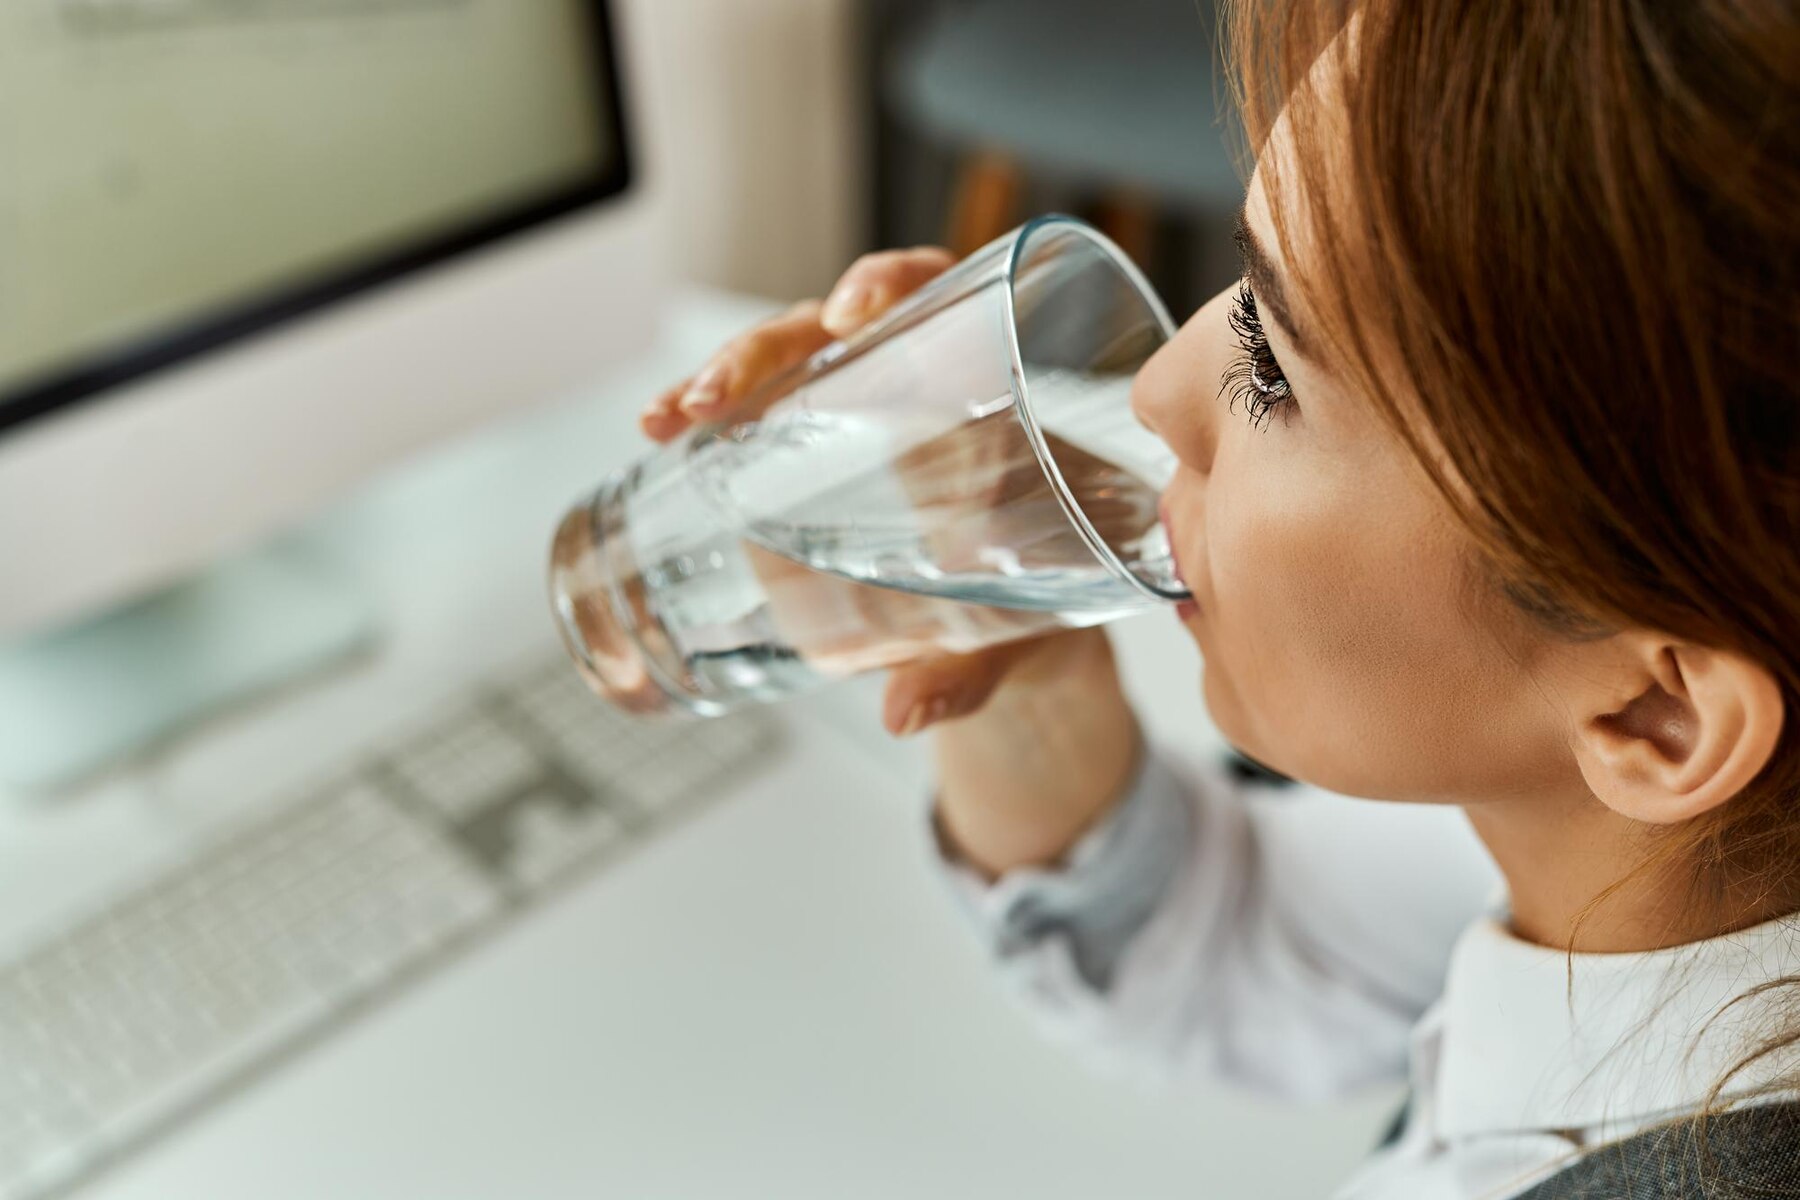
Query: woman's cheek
[(1304, 635), (1263, 553)]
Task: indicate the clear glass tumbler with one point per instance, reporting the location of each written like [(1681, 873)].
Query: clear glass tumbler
[(964, 471)]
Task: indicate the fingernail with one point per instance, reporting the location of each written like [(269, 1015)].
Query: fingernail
[(915, 720), (707, 391), (925, 715), (845, 307)]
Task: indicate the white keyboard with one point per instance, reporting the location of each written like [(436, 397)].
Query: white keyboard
[(321, 903)]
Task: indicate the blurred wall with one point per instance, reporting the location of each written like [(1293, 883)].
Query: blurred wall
[(755, 124)]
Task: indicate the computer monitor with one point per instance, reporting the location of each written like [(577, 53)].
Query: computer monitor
[(252, 249)]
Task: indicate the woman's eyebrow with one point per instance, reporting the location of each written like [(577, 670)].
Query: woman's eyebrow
[(1265, 282)]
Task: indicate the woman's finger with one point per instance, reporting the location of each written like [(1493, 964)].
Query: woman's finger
[(920, 695), (751, 360), (875, 282), (737, 369), (661, 418)]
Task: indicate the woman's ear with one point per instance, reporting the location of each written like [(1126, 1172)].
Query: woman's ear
[(1678, 732)]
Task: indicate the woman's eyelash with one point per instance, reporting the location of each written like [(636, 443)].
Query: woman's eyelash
[(1254, 378)]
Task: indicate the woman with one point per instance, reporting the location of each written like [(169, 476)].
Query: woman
[(1489, 496)]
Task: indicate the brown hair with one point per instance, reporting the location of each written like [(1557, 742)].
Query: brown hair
[(1558, 246)]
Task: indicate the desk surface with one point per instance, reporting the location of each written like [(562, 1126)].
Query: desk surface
[(776, 1000)]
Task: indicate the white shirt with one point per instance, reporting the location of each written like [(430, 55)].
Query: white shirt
[(1306, 945)]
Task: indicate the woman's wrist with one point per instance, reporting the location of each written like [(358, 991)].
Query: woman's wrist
[(1024, 779)]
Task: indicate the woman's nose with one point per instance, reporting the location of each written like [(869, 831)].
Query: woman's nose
[(1150, 402), (1164, 402), (1143, 406), (1171, 396)]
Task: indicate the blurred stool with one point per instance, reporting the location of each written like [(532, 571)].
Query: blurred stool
[(1117, 96)]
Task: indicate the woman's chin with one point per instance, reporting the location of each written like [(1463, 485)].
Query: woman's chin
[(1225, 708)]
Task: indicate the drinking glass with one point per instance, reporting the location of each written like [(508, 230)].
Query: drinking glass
[(965, 470)]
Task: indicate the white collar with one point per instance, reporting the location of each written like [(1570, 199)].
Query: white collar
[(1528, 1043)]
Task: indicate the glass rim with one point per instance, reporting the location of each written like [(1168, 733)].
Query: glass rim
[(1034, 433)]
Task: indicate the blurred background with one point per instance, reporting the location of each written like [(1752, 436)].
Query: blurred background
[(320, 872), (798, 133)]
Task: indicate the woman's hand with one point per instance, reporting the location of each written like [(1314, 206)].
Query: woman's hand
[(718, 389), (1038, 741)]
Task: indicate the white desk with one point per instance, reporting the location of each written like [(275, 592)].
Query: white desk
[(774, 1001)]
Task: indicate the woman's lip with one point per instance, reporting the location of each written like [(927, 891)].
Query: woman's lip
[(1183, 608)]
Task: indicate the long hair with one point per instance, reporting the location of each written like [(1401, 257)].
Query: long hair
[(1557, 245)]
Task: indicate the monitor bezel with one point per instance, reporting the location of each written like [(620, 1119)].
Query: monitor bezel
[(128, 362)]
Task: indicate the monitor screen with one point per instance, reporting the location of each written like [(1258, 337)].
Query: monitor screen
[(175, 174)]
